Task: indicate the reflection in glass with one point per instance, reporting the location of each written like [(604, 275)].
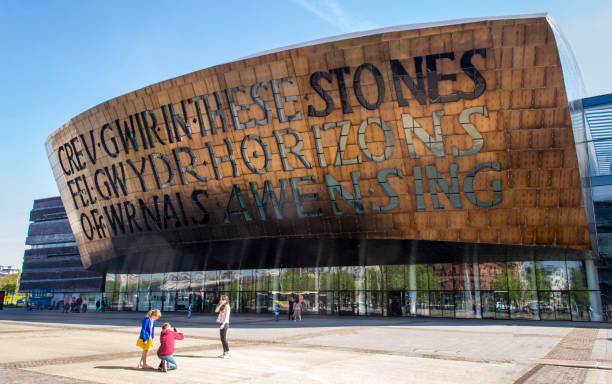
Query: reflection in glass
[(157, 279), (502, 304), (524, 305), (465, 307), (521, 276), (443, 275), (110, 283), (144, 283), (327, 279), (374, 278), (580, 305), (551, 275), (395, 277), (493, 276), (375, 303)]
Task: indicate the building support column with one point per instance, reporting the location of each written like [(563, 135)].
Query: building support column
[(476, 272), (594, 294), (412, 286)]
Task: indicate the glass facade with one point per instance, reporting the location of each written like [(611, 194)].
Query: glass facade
[(530, 290)]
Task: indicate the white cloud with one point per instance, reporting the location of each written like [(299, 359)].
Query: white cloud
[(331, 12)]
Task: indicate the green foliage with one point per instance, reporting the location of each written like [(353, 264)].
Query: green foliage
[(10, 283)]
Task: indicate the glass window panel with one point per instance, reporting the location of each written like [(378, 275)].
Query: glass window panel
[(521, 276), (581, 305), (183, 298), (524, 305), (197, 301), (422, 303), (169, 283), (247, 301), (122, 281), (225, 280), (375, 303), (309, 280), (156, 300), (345, 279), (289, 279), (327, 278), (114, 301), (443, 275), (309, 305), (502, 304), (561, 305), (183, 282), (551, 275), (395, 276), (261, 301), (492, 276), (209, 298), (157, 279), (246, 281), (576, 275), (463, 277), (346, 303), (424, 278), (197, 281), (110, 284), (127, 301), (131, 283), (262, 280), (435, 303), (144, 301), (168, 301), (465, 305), (374, 278), (144, 282), (274, 279), (487, 300), (211, 281), (326, 302)]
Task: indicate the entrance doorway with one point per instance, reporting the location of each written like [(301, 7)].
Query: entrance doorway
[(394, 299)]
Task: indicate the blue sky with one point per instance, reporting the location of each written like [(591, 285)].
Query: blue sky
[(60, 58)]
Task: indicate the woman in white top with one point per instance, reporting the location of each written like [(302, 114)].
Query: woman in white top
[(223, 320)]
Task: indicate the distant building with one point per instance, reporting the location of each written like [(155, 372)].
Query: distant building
[(52, 260), (7, 270)]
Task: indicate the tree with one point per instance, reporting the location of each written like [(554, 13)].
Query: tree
[(10, 283)]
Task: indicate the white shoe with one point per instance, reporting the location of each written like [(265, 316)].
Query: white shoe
[(221, 356), (226, 355)]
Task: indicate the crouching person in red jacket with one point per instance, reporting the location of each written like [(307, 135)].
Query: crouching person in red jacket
[(166, 349)]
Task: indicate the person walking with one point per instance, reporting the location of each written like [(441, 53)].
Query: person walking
[(79, 303), (223, 320), (66, 304), (147, 334), (98, 306), (297, 311), (189, 309), (166, 348), (290, 309)]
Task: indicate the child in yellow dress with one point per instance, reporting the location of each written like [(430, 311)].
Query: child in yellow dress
[(147, 333)]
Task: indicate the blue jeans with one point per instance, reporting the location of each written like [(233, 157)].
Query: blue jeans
[(170, 360)]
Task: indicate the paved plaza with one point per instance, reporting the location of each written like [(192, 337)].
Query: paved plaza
[(51, 347)]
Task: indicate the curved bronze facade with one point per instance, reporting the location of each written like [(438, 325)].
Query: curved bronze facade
[(426, 142)]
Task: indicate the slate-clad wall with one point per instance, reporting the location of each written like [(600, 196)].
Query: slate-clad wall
[(48, 265)]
